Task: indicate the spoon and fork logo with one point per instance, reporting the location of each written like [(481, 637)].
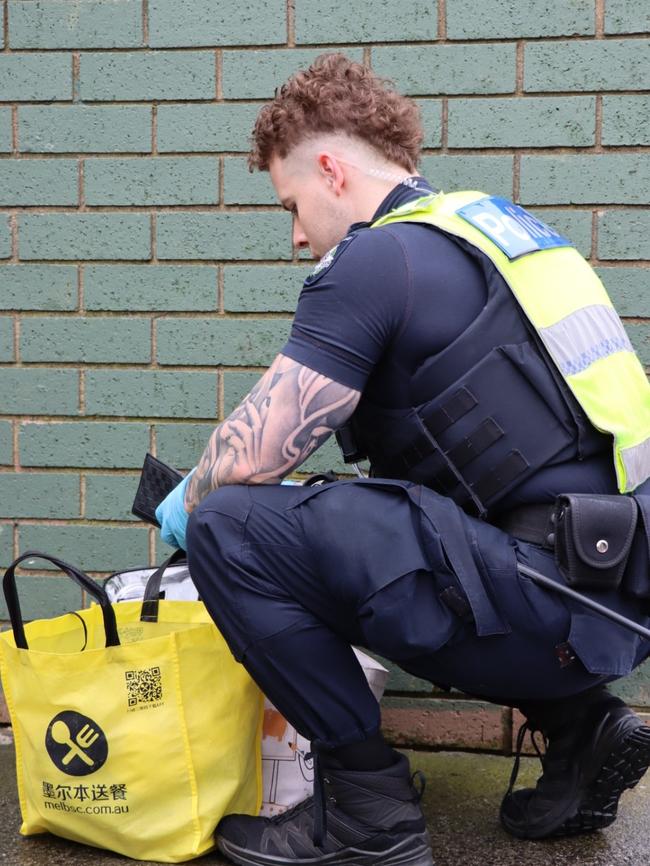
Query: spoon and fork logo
[(76, 744)]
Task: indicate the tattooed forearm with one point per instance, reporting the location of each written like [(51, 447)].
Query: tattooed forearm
[(289, 414)]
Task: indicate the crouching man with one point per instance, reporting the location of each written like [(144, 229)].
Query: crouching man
[(473, 356)]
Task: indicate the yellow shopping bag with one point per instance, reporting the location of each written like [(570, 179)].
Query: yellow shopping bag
[(135, 729)]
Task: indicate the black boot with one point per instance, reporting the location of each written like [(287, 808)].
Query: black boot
[(586, 767), (372, 818)]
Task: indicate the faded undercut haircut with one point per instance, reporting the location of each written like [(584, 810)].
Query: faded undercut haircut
[(333, 95)]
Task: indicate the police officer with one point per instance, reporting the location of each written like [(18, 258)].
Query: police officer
[(477, 361)]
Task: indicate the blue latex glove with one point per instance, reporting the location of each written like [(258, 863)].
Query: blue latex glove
[(172, 516)]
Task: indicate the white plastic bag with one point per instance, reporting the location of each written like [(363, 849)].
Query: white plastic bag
[(288, 776)]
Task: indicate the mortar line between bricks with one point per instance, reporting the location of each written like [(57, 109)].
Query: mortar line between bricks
[(127, 366), (599, 125), (593, 255), (263, 100), (82, 392), (81, 190), (82, 496), (221, 393), (76, 62), (80, 290), (519, 68), (72, 521), (15, 143), (16, 338), (130, 472), (288, 262), (154, 343), (221, 194), (154, 239), (516, 177), (145, 23), (218, 75), (13, 223), (442, 20), (211, 315), (132, 156), (599, 19), (154, 129), (333, 46), (367, 56), (153, 439), (221, 292), (15, 540), (15, 445), (444, 126), (291, 23)]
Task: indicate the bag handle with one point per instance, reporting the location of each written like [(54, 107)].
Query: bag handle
[(152, 590), (88, 584)]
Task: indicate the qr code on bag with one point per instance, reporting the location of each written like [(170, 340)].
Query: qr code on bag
[(144, 686)]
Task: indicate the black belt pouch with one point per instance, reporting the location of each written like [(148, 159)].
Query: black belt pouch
[(593, 539)]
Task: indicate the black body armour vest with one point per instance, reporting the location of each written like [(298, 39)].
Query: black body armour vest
[(486, 413)]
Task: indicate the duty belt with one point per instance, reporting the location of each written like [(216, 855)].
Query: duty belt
[(532, 523)]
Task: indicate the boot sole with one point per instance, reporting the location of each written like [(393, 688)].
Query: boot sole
[(414, 851), (623, 769)]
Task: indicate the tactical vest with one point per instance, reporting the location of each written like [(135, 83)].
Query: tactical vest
[(544, 374)]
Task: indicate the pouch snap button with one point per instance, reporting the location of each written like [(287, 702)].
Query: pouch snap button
[(602, 546)]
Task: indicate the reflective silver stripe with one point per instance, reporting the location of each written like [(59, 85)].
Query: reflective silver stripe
[(589, 334), (636, 460)]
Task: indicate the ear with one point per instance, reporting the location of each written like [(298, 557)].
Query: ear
[(332, 171)]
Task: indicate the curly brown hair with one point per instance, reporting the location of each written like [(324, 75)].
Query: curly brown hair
[(338, 95)]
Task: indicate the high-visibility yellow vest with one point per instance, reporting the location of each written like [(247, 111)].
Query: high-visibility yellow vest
[(567, 305)]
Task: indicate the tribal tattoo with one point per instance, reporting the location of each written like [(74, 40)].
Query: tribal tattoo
[(289, 414)]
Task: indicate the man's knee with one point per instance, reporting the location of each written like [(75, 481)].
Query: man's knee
[(219, 519)]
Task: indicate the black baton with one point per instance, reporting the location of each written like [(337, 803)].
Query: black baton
[(547, 583)]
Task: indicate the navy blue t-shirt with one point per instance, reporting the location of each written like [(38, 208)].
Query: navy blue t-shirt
[(386, 299)]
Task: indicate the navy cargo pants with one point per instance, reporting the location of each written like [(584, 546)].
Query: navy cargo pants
[(293, 576)]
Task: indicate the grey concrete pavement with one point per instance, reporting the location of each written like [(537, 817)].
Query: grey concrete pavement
[(461, 803)]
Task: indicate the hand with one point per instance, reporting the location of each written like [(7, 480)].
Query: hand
[(172, 516)]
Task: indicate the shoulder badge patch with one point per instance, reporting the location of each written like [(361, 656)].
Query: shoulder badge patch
[(328, 260), (325, 262)]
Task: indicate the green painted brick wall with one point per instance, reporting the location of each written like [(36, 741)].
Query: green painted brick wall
[(5, 130), (90, 340), (6, 339), (75, 236), (202, 22), (151, 287), (39, 287), (85, 129), (99, 444), (92, 24), (37, 77), (516, 19), (6, 443), (147, 278), (158, 180), (110, 497), (625, 120), (38, 494), (143, 76), (217, 127)]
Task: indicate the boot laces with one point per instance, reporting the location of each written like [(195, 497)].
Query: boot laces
[(527, 728)]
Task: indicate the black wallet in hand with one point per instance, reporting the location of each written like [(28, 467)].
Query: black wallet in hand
[(156, 481)]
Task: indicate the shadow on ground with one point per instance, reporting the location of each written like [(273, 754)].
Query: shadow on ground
[(461, 802)]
